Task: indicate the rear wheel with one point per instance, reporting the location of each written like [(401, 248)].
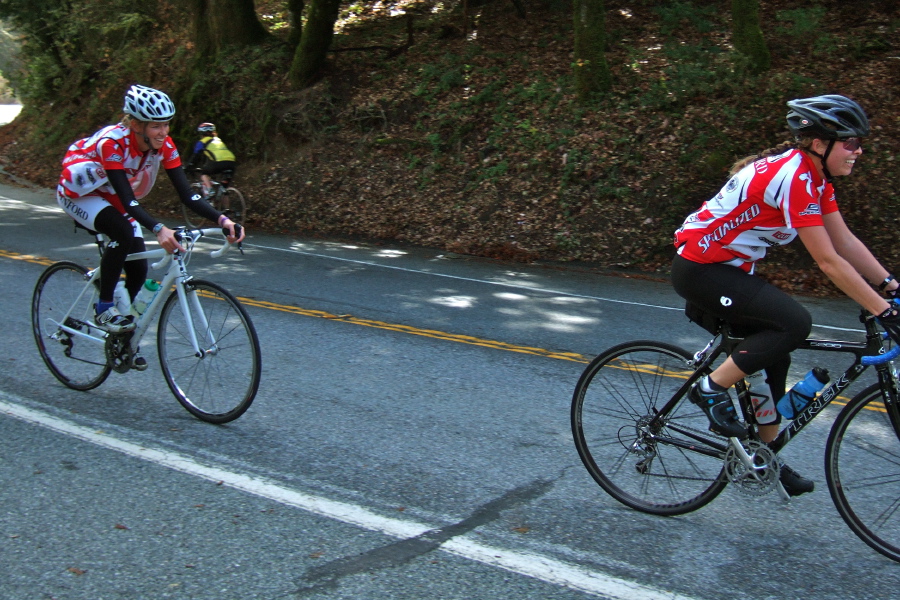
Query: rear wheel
[(862, 467), (229, 201), (669, 466), (62, 318), (220, 383), (190, 217), (234, 206)]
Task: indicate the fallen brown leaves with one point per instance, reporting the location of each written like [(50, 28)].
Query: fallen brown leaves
[(475, 145)]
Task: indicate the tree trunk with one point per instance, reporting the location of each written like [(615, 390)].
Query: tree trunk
[(747, 36), (222, 23), (295, 7), (314, 42), (591, 70)]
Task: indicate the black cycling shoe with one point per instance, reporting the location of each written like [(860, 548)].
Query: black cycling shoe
[(139, 363), (720, 412), (794, 483)]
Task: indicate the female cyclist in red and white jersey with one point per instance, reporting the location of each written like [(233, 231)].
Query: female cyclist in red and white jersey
[(102, 180), (782, 193)]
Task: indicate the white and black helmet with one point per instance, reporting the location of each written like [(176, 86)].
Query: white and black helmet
[(147, 104), (829, 117)]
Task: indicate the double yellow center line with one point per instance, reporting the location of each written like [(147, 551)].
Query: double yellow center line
[(407, 329)]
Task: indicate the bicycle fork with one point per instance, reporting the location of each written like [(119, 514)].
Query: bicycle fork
[(191, 309)]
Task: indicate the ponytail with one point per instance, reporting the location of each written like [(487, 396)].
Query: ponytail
[(779, 149)]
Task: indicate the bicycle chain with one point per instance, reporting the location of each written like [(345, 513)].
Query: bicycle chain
[(118, 352)]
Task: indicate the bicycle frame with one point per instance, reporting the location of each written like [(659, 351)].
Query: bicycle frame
[(868, 353), (176, 275)]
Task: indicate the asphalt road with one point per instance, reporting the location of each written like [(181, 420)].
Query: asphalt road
[(410, 439)]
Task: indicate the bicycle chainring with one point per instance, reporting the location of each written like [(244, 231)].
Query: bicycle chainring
[(760, 479), (118, 352)]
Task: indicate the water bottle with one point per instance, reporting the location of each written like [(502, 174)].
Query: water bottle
[(761, 396), (121, 298), (145, 297), (803, 393)]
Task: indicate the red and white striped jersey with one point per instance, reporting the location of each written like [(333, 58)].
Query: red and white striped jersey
[(761, 206), (113, 147)]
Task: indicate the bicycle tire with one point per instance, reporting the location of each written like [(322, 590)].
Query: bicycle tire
[(660, 474), (191, 218), (78, 363), (233, 201), (221, 385), (862, 468)]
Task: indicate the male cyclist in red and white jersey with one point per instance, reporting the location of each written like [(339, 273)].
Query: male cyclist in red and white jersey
[(102, 180), (771, 198)]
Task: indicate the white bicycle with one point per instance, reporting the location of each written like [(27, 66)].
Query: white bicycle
[(208, 348)]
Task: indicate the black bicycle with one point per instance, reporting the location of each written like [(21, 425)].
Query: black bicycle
[(650, 448), (223, 196)]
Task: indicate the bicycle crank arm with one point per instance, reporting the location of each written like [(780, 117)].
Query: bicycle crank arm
[(742, 454)]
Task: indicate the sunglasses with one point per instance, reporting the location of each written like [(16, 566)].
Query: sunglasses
[(852, 144)]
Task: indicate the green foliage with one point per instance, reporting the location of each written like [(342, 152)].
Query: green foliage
[(675, 15), (485, 131), (494, 171), (695, 72), (441, 77), (88, 52), (800, 23), (804, 27)]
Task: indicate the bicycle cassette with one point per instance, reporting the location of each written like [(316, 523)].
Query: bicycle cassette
[(758, 480)]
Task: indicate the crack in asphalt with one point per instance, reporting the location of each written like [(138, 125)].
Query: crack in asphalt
[(401, 552)]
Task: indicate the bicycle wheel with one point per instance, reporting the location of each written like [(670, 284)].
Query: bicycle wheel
[(191, 218), (862, 467), (78, 361), (664, 471), (219, 385), (234, 206)]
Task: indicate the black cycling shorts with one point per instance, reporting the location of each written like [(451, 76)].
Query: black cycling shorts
[(773, 324)]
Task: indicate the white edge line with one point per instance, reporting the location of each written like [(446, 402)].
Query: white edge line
[(531, 565), (554, 571)]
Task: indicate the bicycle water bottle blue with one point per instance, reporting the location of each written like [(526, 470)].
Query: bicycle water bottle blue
[(802, 393)]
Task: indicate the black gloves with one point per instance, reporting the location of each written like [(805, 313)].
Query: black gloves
[(883, 287), (890, 321)]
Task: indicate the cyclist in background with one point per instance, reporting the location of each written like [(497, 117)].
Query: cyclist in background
[(211, 156), (771, 198), (102, 180)]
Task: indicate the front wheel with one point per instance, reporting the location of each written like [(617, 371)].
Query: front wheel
[(62, 318), (669, 466), (219, 382), (862, 467)]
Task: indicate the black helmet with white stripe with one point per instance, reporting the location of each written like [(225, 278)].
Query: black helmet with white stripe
[(146, 104), (829, 117)]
